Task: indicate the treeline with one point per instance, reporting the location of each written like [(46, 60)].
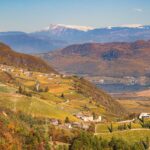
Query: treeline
[(144, 124), (128, 126), (21, 131), (87, 141), (22, 90)]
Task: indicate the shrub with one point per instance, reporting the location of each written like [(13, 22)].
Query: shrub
[(110, 128)]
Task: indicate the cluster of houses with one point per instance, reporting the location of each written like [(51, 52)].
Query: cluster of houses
[(126, 80), (85, 122), (70, 125), (11, 69), (6, 68)]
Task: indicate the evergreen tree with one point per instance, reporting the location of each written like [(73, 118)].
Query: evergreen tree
[(46, 89), (67, 120), (20, 90), (130, 125), (62, 95), (110, 128)]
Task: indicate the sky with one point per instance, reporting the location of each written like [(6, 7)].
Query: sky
[(32, 15)]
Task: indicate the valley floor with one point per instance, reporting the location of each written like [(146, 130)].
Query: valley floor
[(136, 106), (135, 102)]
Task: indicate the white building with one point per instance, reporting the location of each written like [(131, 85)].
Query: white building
[(87, 118), (54, 122), (99, 119), (144, 115), (68, 125)]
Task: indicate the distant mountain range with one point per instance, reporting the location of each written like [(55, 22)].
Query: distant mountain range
[(115, 59), (59, 36), (24, 42)]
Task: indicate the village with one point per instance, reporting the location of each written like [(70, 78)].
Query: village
[(84, 122), (18, 71), (126, 80)]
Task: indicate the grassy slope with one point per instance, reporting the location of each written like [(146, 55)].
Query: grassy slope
[(135, 102), (78, 94), (135, 134), (103, 127), (9, 57), (130, 136), (86, 88), (136, 106), (30, 105)]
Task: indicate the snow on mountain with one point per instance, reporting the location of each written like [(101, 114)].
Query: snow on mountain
[(127, 26), (109, 27), (62, 27), (60, 36), (133, 25)]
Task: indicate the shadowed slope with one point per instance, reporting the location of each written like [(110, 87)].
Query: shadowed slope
[(9, 57)]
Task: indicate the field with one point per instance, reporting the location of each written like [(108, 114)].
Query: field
[(135, 102), (103, 127), (136, 106), (130, 136), (61, 99), (133, 134)]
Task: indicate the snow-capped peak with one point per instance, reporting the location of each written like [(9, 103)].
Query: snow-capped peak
[(127, 26), (109, 27), (62, 26), (132, 25)]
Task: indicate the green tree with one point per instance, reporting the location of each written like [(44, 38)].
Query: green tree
[(62, 95), (119, 144), (67, 120), (146, 143), (110, 128), (46, 89), (20, 90), (130, 125)]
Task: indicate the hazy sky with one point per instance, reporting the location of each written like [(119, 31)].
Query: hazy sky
[(31, 15)]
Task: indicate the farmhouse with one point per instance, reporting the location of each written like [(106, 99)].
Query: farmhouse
[(66, 126), (76, 125), (144, 115), (89, 118), (54, 122), (85, 126)]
